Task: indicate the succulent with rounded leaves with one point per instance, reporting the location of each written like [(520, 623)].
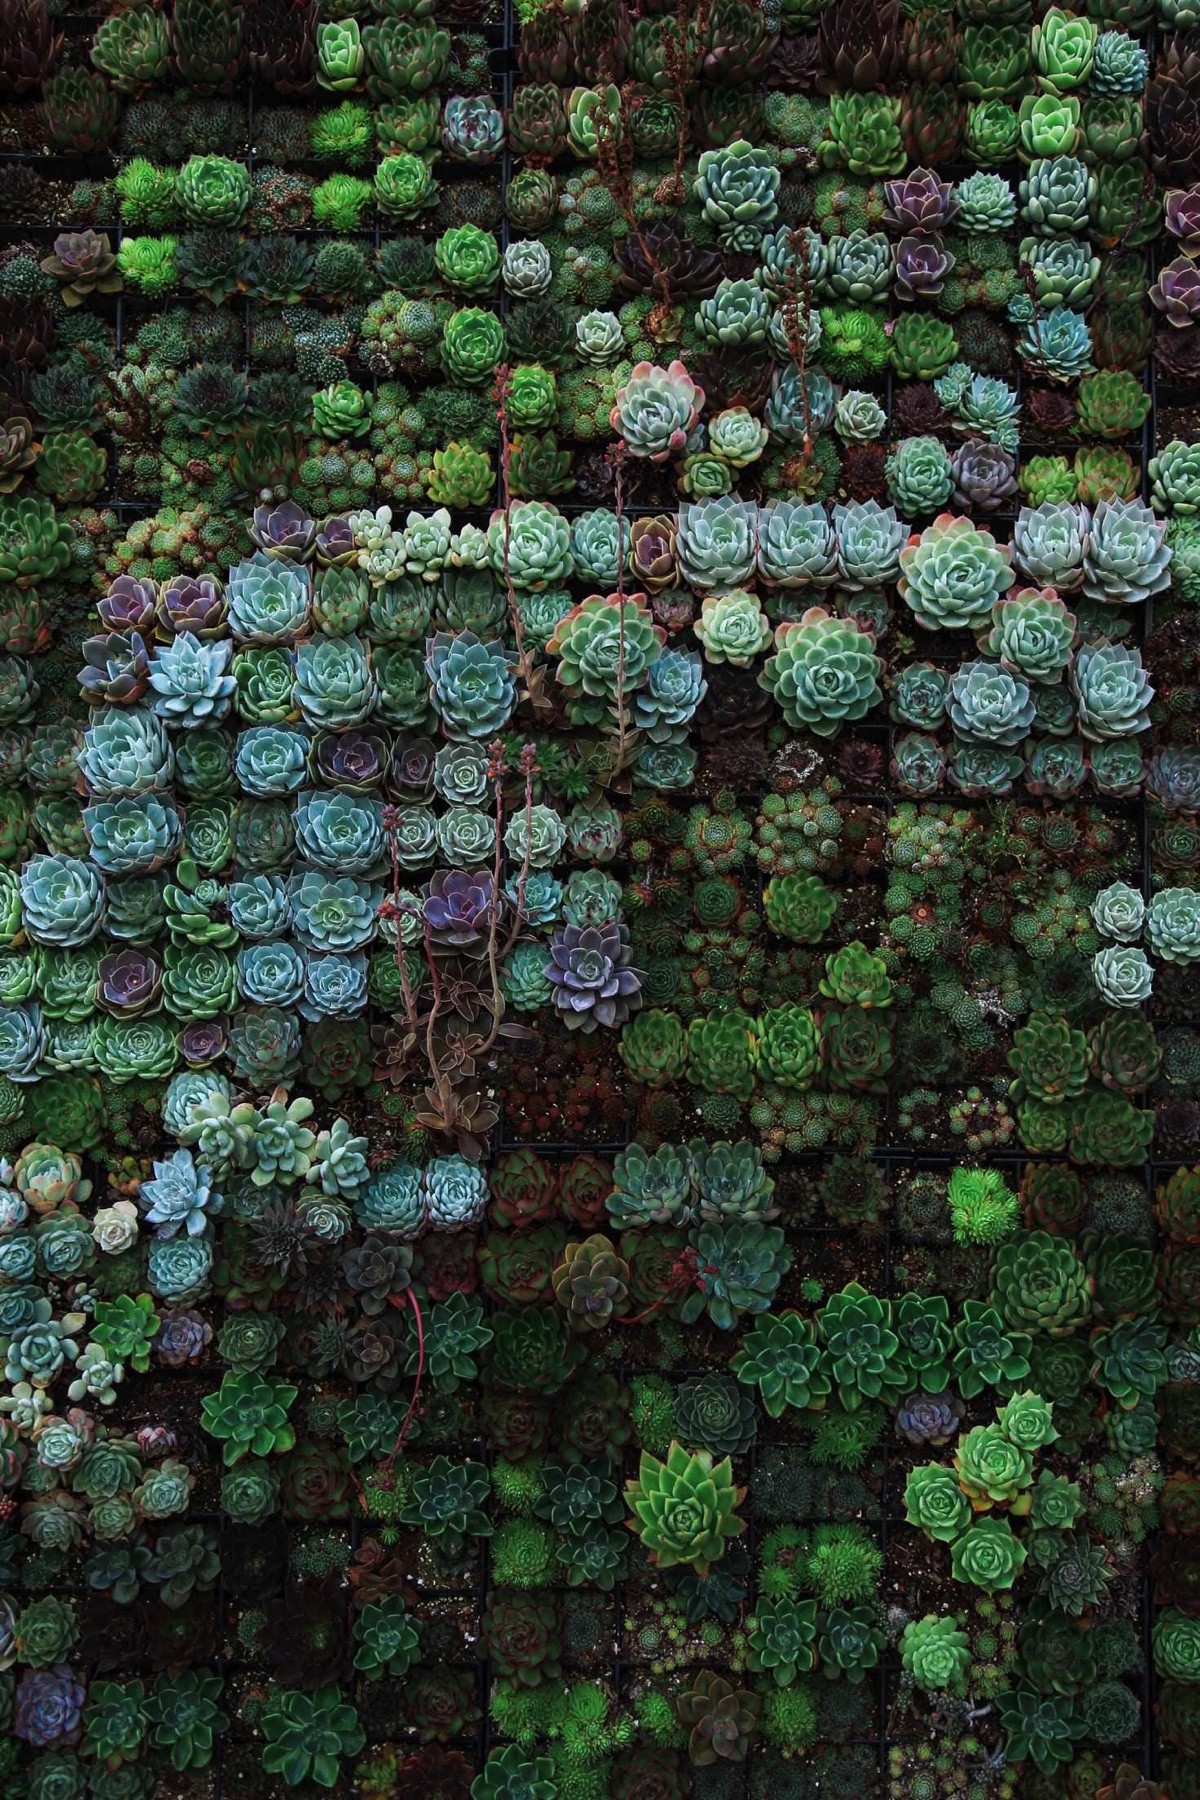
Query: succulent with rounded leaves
[(269, 600), (1112, 403), (869, 540), (919, 203), (984, 475), (530, 545), (84, 263), (920, 477), (472, 684), (1123, 975), (1057, 196), (599, 339), (1173, 925), (988, 702), (591, 973), (213, 190), (334, 686), (656, 409), (1127, 557), (1050, 543), (1176, 293), (1112, 691), (936, 1652), (1057, 344), (190, 681), (456, 1193), (473, 345), (62, 900), (736, 437), (126, 750), (1049, 125), (989, 1555), (1032, 633), (181, 1196), (737, 186), (1175, 479), (605, 647), (986, 203), (716, 543), (468, 259), (404, 186), (952, 574), (824, 672), (796, 545)]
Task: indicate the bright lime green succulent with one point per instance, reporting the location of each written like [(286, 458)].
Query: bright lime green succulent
[(213, 190), (684, 1508), (1064, 48)]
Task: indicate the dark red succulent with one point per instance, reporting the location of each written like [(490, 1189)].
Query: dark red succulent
[(129, 983), (435, 1774), (658, 253), (861, 44)]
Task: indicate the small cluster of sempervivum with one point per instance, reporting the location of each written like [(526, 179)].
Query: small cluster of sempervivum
[(612, 592)]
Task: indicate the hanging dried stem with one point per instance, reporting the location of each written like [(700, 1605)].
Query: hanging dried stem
[(618, 468), (528, 674), (799, 285)]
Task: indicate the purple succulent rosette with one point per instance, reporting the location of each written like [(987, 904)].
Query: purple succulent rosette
[(919, 203), (458, 910), (591, 974), (1176, 293)]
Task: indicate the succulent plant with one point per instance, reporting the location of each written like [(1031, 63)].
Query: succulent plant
[(952, 574)]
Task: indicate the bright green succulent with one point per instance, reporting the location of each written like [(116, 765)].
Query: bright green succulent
[(862, 1348), (684, 1508), (936, 1652), (248, 1414)]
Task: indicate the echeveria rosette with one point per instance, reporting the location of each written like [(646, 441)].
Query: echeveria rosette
[(684, 1508), (737, 187), (604, 641), (591, 971), (656, 409), (824, 672), (1127, 557), (1032, 633), (952, 574), (1112, 691)]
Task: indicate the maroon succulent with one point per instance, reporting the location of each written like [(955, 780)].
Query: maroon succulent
[(658, 253), (129, 605), (861, 44), (116, 669), (922, 265), (85, 263), (984, 475), (129, 983), (1177, 353), (28, 46), (920, 203), (194, 603), (1176, 293), (354, 760)]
